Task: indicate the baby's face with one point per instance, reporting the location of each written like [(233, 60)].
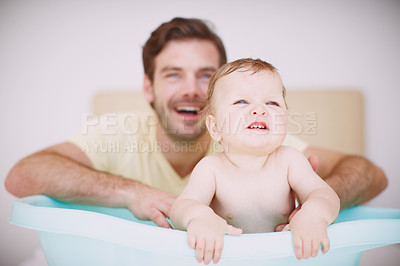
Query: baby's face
[(250, 112)]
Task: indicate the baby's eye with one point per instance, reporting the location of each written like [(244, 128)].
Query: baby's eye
[(272, 103), (240, 102)]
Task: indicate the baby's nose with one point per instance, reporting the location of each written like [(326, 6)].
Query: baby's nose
[(258, 111)]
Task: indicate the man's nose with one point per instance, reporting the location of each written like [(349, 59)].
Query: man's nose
[(191, 87)]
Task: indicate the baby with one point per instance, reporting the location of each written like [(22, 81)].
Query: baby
[(250, 187)]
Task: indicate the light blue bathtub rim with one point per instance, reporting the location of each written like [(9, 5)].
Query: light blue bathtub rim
[(74, 234)]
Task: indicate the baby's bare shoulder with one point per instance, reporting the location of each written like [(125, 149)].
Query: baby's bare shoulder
[(290, 155), (287, 151), (210, 160)]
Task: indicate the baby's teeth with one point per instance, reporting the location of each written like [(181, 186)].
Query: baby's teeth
[(258, 127)]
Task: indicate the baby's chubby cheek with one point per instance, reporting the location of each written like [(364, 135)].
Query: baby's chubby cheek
[(279, 125)]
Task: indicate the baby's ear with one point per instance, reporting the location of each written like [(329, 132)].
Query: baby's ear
[(212, 128)]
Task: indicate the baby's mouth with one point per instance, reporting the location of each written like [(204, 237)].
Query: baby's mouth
[(258, 126)]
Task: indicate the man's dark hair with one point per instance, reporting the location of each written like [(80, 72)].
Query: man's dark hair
[(178, 29)]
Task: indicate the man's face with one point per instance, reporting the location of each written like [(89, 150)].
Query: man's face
[(179, 88)]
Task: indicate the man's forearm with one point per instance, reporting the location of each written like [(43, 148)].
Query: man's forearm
[(356, 180), (62, 178), (65, 173)]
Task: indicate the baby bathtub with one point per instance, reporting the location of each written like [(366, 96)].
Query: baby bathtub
[(73, 234)]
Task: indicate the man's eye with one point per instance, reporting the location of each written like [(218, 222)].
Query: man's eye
[(206, 76), (272, 103), (240, 102), (172, 75)]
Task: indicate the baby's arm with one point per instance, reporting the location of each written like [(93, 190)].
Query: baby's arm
[(191, 212), (320, 207)]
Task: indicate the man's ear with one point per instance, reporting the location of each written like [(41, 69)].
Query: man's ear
[(147, 89), (212, 128)]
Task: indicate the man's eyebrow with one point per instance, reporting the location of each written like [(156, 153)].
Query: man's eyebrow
[(211, 69), (173, 68), (170, 68)]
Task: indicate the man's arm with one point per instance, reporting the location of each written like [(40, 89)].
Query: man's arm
[(65, 173), (354, 178)]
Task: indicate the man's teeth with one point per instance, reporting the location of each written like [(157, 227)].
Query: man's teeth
[(189, 109)]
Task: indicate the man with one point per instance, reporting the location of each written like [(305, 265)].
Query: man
[(179, 59)]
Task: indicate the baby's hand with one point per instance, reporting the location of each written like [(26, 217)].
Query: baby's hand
[(308, 234), (206, 236)]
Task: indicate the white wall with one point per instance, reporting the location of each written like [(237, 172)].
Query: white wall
[(54, 55)]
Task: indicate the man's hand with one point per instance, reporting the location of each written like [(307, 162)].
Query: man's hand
[(314, 162), (149, 203), (45, 173)]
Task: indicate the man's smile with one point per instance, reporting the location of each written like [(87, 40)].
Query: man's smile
[(188, 110)]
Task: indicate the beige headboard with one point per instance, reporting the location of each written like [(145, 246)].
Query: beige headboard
[(332, 119)]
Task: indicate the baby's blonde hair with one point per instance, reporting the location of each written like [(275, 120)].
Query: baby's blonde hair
[(246, 64)]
